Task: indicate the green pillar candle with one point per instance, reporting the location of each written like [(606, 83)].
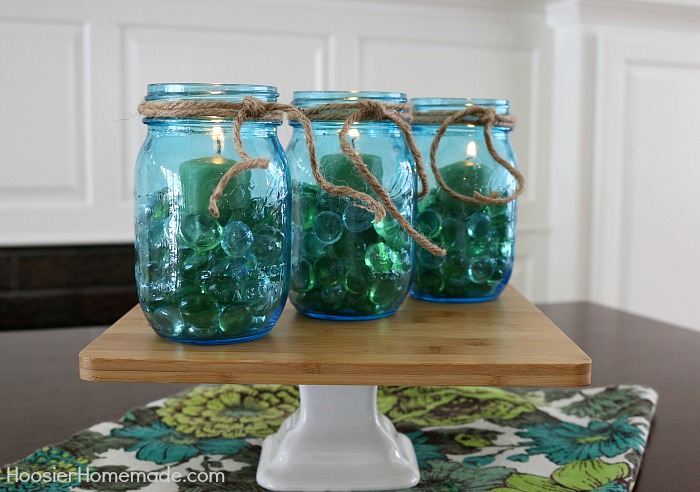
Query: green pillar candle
[(199, 177), (340, 171), (464, 177)]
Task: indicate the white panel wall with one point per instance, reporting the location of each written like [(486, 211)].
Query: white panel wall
[(627, 144), (645, 250), (605, 92)]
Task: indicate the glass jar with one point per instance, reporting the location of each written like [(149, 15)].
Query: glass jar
[(344, 265), (479, 238), (203, 279)]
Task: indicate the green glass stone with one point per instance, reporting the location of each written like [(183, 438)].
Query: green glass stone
[(267, 249), (506, 248), (303, 278), (218, 263), (241, 267), (305, 207), (453, 234), (192, 262), (254, 289), (155, 294), (274, 272), (159, 205), (253, 213), (357, 219), (357, 278), (262, 306), (237, 239), (478, 225), (479, 246), (392, 233), (340, 171), (387, 227), (329, 269), (235, 320), (199, 310), (200, 232), (333, 295), (429, 223), (428, 260), (310, 299), (430, 282), (404, 263), (328, 227), (380, 258), (203, 267), (454, 270), (268, 230), (351, 247), (166, 320), (186, 288), (211, 332), (328, 202), (503, 267), (311, 247), (383, 293), (480, 269), (226, 291)]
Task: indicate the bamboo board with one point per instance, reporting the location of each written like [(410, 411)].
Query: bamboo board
[(506, 342)]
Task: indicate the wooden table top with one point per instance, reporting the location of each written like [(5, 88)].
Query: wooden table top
[(507, 342), (46, 401)]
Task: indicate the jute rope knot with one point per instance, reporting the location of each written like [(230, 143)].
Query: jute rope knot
[(370, 110), (479, 116)]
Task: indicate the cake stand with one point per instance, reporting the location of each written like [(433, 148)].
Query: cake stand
[(337, 440)]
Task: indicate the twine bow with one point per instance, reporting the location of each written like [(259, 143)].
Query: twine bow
[(481, 116)]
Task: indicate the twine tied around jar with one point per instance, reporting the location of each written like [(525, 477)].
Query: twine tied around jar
[(251, 108), (370, 110), (478, 116), (254, 109)]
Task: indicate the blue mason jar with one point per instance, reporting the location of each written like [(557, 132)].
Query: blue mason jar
[(345, 266), (205, 279), (479, 237)]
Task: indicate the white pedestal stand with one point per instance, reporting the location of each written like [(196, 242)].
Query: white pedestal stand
[(337, 441)]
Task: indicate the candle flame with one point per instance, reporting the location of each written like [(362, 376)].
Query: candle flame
[(217, 134), (471, 150)]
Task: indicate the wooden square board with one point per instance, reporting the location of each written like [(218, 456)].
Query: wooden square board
[(506, 342)]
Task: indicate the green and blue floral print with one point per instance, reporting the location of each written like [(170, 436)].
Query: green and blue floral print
[(467, 439)]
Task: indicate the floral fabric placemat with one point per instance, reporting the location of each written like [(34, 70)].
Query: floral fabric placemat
[(466, 439)]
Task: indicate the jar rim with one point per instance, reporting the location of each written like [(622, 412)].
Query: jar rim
[(427, 104), (212, 91), (307, 99)]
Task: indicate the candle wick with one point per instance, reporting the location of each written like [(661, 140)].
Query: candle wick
[(218, 146)]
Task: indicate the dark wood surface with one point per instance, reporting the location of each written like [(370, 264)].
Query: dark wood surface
[(44, 401)]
